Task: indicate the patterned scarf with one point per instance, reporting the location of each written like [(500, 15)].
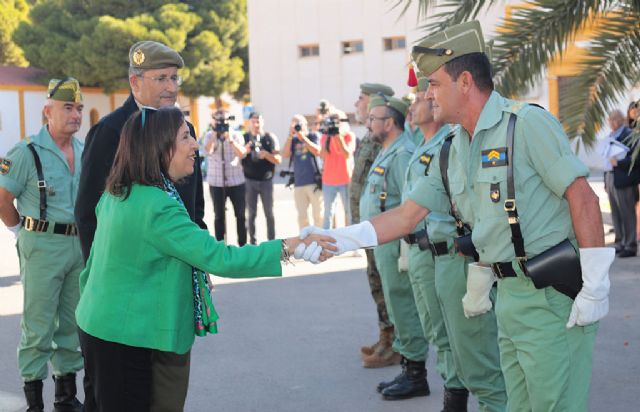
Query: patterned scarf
[(204, 313)]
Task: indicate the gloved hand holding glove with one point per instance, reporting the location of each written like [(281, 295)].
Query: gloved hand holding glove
[(349, 238), (592, 302), (480, 280)]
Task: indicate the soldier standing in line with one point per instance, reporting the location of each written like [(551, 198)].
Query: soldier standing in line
[(381, 353), (42, 173)]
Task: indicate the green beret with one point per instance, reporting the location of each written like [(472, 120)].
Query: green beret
[(398, 105), (423, 82), (439, 48), (149, 54), (65, 90), (373, 88)]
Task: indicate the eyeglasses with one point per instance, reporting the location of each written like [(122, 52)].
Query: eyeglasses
[(373, 118), (164, 79)]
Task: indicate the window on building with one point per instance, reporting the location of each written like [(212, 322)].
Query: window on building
[(394, 43), (309, 50), (353, 46), (94, 117)]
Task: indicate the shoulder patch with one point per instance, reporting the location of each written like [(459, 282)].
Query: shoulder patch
[(494, 157), (379, 170), (5, 165)]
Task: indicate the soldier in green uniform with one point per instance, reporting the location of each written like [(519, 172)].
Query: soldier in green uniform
[(383, 192), (467, 348), (42, 172), (513, 178), (381, 353)]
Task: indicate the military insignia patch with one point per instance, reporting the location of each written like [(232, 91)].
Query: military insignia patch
[(138, 57), (494, 157), (5, 165), (379, 170), (494, 192), (425, 159)]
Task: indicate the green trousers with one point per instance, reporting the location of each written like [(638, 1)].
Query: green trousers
[(422, 273), (546, 366), (49, 268), (398, 295), (473, 341)]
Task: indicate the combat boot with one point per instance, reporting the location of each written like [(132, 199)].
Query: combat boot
[(381, 358), (33, 394), (386, 335), (385, 384), (65, 399), (455, 400), (412, 382)]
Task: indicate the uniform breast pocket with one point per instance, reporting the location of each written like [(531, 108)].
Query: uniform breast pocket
[(58, 185), (492, 189)]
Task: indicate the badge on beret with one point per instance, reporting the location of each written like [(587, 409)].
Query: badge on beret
[(138, 57), (379, 170), (5, 165), (494, 157)]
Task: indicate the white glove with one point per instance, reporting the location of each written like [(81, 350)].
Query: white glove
[(592, 302), (403, 260), (480, 280), (15, 229), (309, 253), (349, 238)]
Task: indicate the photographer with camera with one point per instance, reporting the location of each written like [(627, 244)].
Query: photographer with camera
[(225, 176), (261, 157), (302, 148), (337, 145)]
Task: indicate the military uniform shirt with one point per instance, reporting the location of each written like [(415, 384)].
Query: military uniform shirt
[(440, 226), (390, 164), (544, 166), (21, 178)]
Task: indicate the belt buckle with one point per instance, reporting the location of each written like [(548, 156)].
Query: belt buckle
[(497, 270), (70, 230)]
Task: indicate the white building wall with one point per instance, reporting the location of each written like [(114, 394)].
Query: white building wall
[(9, 120)]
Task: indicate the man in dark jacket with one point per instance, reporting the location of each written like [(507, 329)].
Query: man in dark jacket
[(154, 81), (622, 188)]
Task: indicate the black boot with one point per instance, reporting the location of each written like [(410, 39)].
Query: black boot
[(412, 382), (33, 394), (455, 400), (65, 400), (385, 384)]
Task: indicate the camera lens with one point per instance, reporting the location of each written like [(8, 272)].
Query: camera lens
[(297, 128)]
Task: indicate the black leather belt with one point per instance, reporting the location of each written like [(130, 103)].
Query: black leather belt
[(503, 270), (411, 239), (438, 248), (42, 226)]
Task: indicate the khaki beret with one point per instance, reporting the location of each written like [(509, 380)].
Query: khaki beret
[(396, 104), (373, 88), (149, 54), (65, 90), (439, 48)]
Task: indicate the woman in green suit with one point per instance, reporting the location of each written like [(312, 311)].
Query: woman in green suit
[(143, 290)]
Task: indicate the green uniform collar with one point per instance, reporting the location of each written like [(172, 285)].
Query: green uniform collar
[(491, 113)]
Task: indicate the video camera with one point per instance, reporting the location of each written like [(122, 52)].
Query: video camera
[(222, 123), (331, 126), (285, 173)]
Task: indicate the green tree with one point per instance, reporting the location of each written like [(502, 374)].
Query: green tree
[(12, 12), (90, 40), (537, 34)]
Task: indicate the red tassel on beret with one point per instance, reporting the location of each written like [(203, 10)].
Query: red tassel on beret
[(413, 80)]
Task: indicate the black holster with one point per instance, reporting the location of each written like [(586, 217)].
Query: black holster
[(465, 245), (558, 267)]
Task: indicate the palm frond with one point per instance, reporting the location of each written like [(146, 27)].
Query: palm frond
[(611, 65)]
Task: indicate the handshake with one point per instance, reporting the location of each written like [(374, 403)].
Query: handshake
[(329, 242)]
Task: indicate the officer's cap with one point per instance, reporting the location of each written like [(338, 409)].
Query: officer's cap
[(64, 90), (399, 105), (439, 48), (150, 54), (373, 88)]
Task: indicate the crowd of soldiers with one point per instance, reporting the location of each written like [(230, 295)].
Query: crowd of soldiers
[(482, 236)]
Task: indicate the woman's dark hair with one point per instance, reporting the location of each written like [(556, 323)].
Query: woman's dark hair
[(631, 122), (146, 144), (475, 63)]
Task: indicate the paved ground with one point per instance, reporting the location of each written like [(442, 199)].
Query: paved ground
[(292, 344)]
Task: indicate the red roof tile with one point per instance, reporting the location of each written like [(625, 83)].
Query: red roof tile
[(22, 76)]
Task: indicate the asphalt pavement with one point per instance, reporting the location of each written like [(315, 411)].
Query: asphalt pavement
[(292, 344)]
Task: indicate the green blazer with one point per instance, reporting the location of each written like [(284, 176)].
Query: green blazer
[(136, 288)]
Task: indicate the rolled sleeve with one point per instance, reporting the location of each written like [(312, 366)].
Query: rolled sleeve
[(16, 178), (549, 151)]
